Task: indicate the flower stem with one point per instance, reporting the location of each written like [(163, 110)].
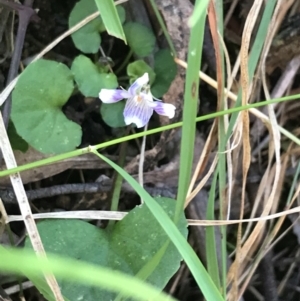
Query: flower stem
[(118, 179), (142, 159), (125, 62)]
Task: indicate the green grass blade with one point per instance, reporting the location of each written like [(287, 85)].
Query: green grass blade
[(201, 276), (111, 18), (23, 261), (293, 186), (190, 107), (198, 13), (221, 168), (210, 239)]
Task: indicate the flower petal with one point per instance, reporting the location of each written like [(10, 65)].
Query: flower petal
[(165, 109), (137, 111), (139, 83), (112, 95)]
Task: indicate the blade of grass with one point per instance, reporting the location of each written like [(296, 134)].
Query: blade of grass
[(293, 186), (216, 25), (210, 238), (23, 261), (200, 274), (111, 18), (200, 7), (190, 107)]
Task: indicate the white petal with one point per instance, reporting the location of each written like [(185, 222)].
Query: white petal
[(165, 109), (112, 95), (138, 111), (139, 83)]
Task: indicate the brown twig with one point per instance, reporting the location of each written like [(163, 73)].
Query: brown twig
[(8, 195)]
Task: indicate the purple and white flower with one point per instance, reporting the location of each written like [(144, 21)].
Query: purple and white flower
[(139, 105)]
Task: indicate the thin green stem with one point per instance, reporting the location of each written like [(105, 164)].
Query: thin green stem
[(89, 149), (118, 180), (142, 158), (125, 62)]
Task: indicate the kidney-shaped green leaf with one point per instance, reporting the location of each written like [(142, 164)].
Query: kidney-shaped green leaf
[(43, 88), (88, 78), (87, 39), (129, 247), (139, 38)]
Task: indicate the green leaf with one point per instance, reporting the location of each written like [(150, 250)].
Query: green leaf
[(17, 142), (133, 242), (121, 13), (137, 69), (87, 39), (140, 38), (88, 78), (112, 114), (165, 70), (111, 18), (43, 88)]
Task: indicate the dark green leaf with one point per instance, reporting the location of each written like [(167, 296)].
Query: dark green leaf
[(165, 70), (112, 114), (128, 248), (17, 142)]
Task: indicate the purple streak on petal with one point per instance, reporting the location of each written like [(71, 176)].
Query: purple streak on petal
[(112, 95), (137, 112), (165, 109), (139, 83)]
